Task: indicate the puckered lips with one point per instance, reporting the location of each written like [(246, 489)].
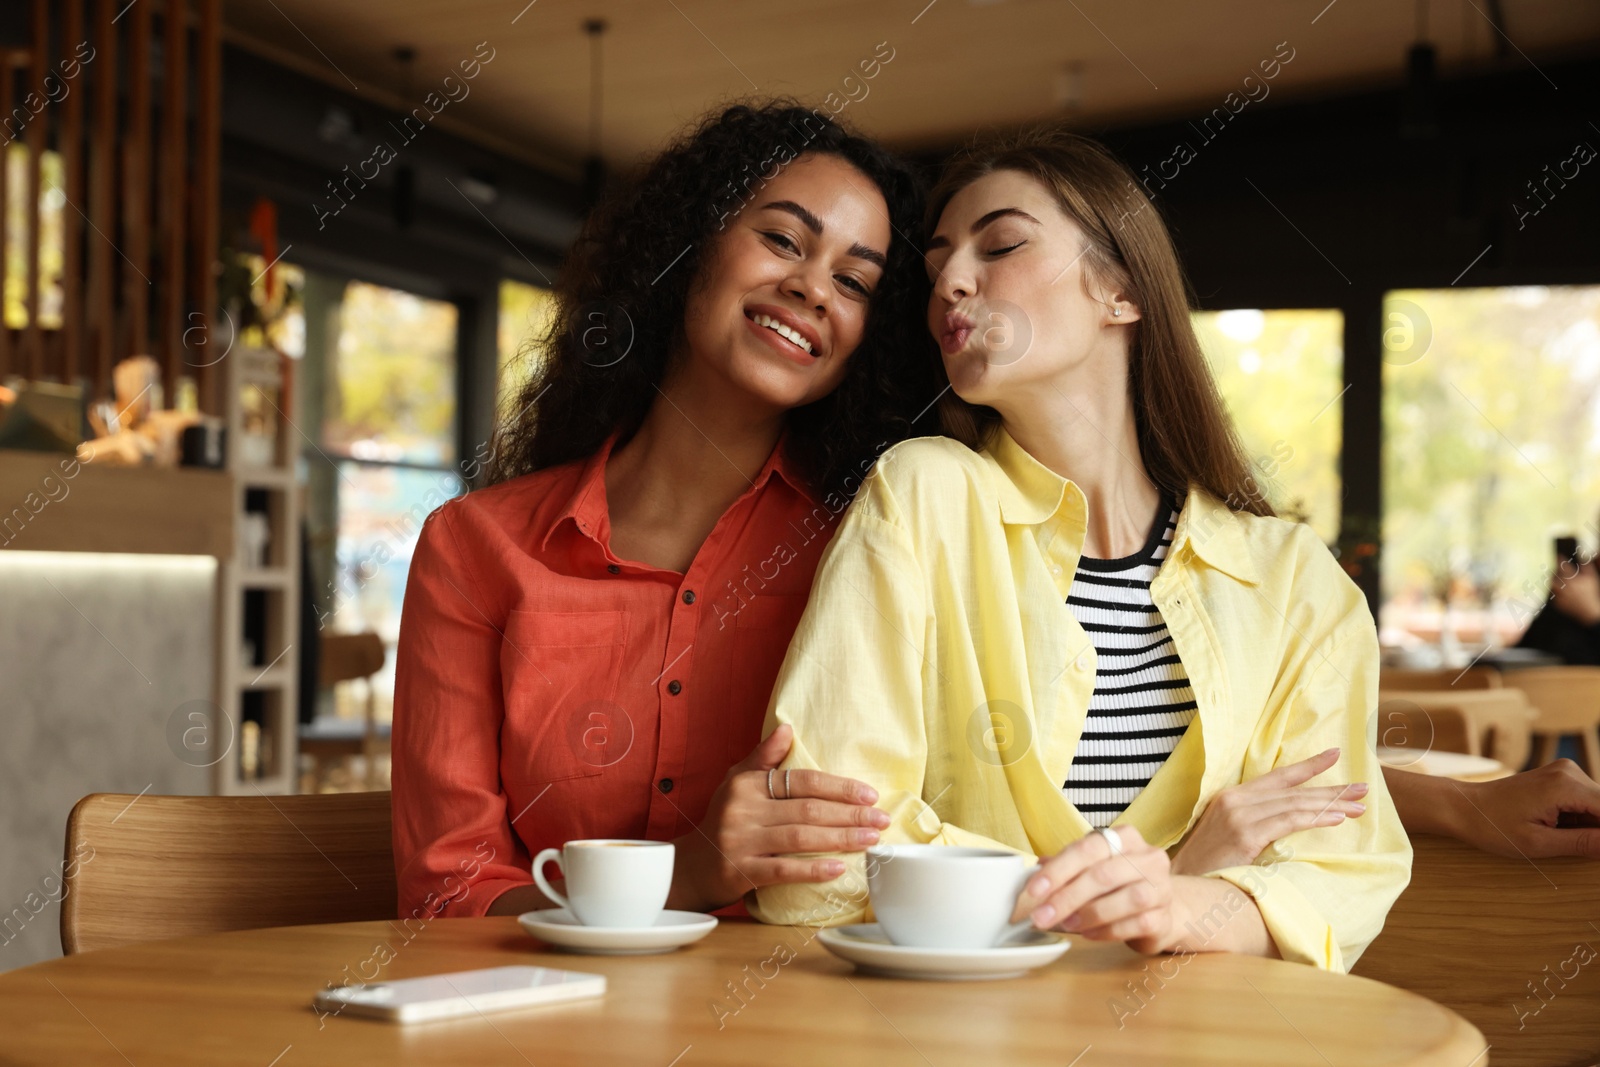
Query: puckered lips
[(958, 328), (786, 332)]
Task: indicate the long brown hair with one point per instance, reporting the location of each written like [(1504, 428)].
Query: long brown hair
[(1186, 438)]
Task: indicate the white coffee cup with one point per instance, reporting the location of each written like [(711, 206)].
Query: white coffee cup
[(610, 882), (947, 896)]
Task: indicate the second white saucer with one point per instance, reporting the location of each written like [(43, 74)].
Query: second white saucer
[(557, 926), (866, 946)]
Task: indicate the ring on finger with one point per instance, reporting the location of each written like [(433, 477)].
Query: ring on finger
[(1113, 839), (770, 793), (787, 792)]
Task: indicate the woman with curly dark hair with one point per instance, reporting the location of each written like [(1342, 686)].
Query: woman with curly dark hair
[(589, 642)]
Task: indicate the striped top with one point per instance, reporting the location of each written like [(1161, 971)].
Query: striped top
[(1142, 701)]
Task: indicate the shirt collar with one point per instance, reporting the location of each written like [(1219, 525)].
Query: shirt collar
[(1030, 493), (588, 509)]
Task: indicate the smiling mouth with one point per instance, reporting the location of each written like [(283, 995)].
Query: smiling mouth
[(794, 337)]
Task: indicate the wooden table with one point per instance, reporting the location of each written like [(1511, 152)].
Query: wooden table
[(747, 994)]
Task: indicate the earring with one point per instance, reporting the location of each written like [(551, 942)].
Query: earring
[(1117, 311)]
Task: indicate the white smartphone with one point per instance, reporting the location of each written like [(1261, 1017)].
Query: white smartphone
[(444, 996)]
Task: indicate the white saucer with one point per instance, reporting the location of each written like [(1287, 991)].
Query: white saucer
[(866, 946), (557, 926)]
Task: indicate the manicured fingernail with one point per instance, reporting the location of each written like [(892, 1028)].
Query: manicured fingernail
[(833, 868), (868, 795), (1357, 808), (1359, 788), (1044, 915), (866, 837), (881, 819), (1071, 922), (1039, 886)]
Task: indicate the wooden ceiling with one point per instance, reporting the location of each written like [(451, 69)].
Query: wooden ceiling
[(953, 66)]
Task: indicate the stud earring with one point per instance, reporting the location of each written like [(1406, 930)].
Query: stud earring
[(1117, 312)]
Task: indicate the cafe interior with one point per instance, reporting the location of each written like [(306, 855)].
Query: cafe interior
[(274, 272)]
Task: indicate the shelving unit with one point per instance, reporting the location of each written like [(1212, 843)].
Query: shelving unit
[(258, 693)]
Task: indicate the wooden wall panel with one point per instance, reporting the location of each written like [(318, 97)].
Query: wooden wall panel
[(136, 121), (8, 92), (136, 174), (102, 206), (70, 145), (38, 125)]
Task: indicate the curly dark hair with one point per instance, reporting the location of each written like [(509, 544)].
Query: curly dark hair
[(620, 302)]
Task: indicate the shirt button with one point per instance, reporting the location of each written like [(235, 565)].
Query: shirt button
[(674, 687), (1055, 568), (688, 596), (1082, 662), (613, 568), (665, 785)]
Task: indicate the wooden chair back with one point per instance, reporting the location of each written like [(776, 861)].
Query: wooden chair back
[(1509, 944), (1566, 700), (1471, 678), (1404, 724), (142, 868), (348, 656)]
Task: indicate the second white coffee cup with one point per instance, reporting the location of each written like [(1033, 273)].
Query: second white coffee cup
[(610, 882), (947, 896)]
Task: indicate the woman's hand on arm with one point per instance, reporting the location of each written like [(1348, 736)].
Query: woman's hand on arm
[(748, 839), (1242, 820), (1136, 897), (1553, 810)]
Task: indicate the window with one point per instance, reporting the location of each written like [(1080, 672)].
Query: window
[(525, 314), (1491, 447), (1281, 373), (386, 453)]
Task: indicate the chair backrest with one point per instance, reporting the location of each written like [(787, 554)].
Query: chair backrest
[(1471, 678), (347, 656), (1509, 944), (1404, 724), (142, 868), (1567, 699)]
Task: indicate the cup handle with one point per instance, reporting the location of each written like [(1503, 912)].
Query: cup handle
[(1026, 925), (551, 855)]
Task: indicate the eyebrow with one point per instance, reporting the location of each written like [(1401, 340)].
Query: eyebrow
[(814, 224), (998, 213)]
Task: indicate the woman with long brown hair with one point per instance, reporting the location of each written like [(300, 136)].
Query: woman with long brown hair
[(1071, 622)]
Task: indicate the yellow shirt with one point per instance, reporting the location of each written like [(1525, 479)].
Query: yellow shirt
[(937, 660)]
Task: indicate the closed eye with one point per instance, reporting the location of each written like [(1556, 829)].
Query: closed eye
[(1007, 248)]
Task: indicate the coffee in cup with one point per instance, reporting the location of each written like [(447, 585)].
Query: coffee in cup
[(947, 896), (610, 882)]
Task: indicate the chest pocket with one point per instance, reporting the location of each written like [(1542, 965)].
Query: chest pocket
[(560, 672), (761, 634)]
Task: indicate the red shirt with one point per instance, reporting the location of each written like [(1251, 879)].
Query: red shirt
[(546, 690)]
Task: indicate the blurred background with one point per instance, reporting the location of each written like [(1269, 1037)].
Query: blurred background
[(275, 264)]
